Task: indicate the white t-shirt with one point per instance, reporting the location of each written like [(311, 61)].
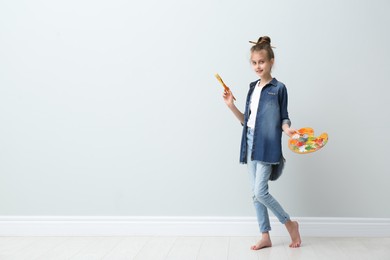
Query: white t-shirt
[(255, 99)]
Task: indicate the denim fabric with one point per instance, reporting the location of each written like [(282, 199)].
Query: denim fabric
[(259, 174), (271, 115)]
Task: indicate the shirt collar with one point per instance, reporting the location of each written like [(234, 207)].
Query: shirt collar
[(273, 82)]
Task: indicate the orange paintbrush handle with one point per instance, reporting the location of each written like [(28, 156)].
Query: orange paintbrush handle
[(227, 89)]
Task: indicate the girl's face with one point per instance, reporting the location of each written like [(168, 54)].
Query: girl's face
[(261, 64)]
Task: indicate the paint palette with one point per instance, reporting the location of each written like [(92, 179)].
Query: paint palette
[(304, 141)]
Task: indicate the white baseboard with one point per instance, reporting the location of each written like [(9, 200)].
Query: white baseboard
[(185, 226)]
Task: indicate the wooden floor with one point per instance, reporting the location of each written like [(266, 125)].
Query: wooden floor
[(187, 248)]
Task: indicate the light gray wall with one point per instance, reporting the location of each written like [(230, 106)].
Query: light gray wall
[(112, 108)]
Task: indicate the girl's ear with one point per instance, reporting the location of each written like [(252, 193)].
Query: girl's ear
[(272, 61)]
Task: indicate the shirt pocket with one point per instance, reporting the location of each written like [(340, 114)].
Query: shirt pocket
[(271, 100)]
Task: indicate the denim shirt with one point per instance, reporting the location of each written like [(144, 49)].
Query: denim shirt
[(271, 115)]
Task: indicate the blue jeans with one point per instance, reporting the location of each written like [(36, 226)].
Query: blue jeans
[(259, 173)]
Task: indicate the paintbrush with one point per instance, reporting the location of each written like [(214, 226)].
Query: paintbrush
[(227, 89)]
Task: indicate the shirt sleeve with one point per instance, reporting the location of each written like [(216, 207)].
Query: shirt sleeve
[(283, 100)]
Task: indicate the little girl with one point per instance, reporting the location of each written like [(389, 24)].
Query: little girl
[(265, 118)]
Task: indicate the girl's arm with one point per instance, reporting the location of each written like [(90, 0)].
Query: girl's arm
[(286, 123), (228, 98)]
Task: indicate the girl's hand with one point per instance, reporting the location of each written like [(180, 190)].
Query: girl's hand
[(290, 131), (228, 98)]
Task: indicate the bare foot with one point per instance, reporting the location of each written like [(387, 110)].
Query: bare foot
[(293, 230), (263, 243)]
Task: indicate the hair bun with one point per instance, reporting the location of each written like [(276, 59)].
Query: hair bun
[(263, 40)]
